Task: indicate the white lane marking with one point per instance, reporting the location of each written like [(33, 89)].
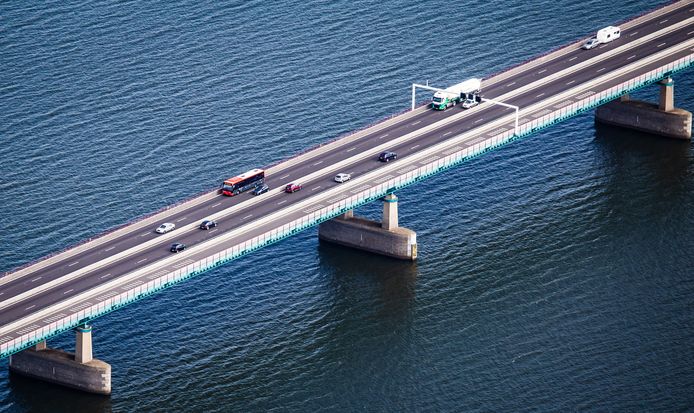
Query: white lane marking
[(31, 306), (281, 202), (105, 275), (142, 260), (415, 147), (510, 84), (661, 45), (74, 263), (573, 58), (216, 205), (36, 279), (663, 21), (542, 71), (2, 293), (416, 123), (318, 163), (448, 133), (68, 291), (181, 219), (351, 149), (478, 120), (247, 216), (212, 230), (691, 31), (144, 235), (600, 70), (631, 57), (569, 83), (282, 177), (110, 248), (540, 95), (382, 136), (634, 34), (318, 187)]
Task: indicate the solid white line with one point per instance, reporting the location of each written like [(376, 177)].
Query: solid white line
[(569, 83), (281, 202), (415, 147), (282, 177), (216, 205), (142, 260), (415, 123), (661, 45), (36, 279), (631, 57), (540, 95), (181, 219), (109, 248), (247, 216), (318, 187), (351, 149), (68, 291), (573, 58), (74, 263)]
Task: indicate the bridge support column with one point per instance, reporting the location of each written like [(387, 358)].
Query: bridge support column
[(79, 371), (384, 238), (663, 119)]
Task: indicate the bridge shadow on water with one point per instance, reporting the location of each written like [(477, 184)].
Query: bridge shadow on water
[(36, 396)]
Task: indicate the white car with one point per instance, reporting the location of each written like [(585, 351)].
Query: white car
[(468, 103), (342, 177), (165, 227), (590, 43)]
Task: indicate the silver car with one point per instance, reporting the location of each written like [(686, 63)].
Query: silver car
[(165, 227), (590, 43), (342, 177)]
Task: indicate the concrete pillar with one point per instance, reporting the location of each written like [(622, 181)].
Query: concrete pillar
[(83, 345), (40, 346), (667, 94), (390, 212)]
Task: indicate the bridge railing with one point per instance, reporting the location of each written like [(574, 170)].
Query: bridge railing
[(34, 333)]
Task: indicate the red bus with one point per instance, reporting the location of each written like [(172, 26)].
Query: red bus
[(244, 182)]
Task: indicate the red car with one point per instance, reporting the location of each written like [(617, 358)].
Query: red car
[(292, 188)]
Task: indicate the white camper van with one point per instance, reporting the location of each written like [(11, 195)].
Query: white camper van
[(608, 34)]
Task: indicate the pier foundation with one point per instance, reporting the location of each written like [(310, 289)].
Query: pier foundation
[(79, 371), (384, 238), (662, 119)]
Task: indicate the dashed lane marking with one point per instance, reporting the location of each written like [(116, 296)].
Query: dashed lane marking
[(600, 70), (212, 230), (631, 57), (105, 275), (510, 84), (181, 219), (282, 177), (661, 45), (573, 58), (316, 188), (571, 82), (141, 261), (318, 163), (36, 279), (74, 263), (30, 307), (69, 291), (448, 133), (542, 71), (382, 136), (478, 120), (109, 248), (144, 235), (688, 34), (634, 34), (540, 95), (281, 202), (351, 149), (246, 217), (663, 21), (415, 147), (416, 123), (216, 205)]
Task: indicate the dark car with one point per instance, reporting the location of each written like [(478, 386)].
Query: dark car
[(292, 188), (177, 247), (207, 224), (387, 156), (261, 189)]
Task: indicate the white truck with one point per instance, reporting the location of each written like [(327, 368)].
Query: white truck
[(456, 93)]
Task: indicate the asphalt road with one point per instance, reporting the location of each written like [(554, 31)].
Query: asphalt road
[(269, 203)]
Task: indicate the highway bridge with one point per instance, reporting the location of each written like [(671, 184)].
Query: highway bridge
[(69, 289)]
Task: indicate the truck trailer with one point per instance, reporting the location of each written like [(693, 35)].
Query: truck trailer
[(454, 94)]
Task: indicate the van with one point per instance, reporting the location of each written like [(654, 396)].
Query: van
[(608, 34)]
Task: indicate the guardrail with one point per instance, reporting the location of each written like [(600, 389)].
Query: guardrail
[(30, 338)]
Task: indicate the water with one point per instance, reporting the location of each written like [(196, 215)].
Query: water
[(554, 273)]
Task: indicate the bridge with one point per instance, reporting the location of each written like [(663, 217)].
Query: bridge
[(70, 289)]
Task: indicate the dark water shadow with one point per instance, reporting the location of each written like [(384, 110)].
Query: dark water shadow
[(31, 395)]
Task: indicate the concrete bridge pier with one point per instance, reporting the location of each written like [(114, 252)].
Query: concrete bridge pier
[(663, 119), (384, 238), (79, 371)]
